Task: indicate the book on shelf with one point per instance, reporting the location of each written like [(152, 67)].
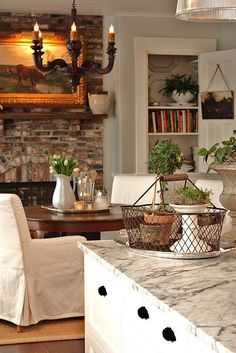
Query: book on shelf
[(173, 121)]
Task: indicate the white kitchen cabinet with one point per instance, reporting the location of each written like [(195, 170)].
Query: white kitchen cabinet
[(118, 319), (103, 307)]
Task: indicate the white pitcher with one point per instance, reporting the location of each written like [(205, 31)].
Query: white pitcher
[(63, 196)]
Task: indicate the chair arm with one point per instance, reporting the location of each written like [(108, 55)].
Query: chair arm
[(52, 253)]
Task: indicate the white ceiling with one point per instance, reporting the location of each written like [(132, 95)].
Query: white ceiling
[(88, 7)]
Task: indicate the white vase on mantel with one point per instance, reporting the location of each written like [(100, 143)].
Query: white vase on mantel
[(99, 102), (63, 197)]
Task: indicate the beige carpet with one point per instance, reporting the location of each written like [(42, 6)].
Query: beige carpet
[(53, 330)]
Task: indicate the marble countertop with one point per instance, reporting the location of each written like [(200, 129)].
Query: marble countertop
[(200, 293)]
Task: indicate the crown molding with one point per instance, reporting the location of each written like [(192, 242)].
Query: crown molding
[(144, 14)]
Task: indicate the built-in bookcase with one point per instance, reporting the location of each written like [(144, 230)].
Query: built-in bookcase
[(158, 117)]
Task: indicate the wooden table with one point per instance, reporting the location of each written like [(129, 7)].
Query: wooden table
[(88, 224)]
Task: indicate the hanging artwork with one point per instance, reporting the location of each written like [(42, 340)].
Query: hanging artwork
[(21, 83), (217, 104)]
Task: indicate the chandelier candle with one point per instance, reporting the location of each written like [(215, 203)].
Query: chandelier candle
[(40, 38), (73, 32), (111, 35), (35, 33)]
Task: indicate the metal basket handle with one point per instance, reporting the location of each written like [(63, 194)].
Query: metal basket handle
[(174, 177)]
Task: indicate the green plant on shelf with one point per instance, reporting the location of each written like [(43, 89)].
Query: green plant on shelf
[(181, 84)]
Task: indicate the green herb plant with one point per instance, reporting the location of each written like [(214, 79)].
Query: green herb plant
[(180, 84), (165, 158), (190, 195)]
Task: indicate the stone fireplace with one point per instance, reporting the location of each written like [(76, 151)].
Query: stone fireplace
[(28, 134)]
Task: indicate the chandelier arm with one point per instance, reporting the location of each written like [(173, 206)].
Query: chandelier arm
[(51, 65), (111, 50)]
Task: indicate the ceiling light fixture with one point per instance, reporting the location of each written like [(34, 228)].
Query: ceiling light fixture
[(206, 10), (74, 47)]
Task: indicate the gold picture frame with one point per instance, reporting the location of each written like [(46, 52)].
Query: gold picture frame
[(22, 84)]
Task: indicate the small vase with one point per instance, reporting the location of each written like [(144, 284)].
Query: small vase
[(99, 102), (63, 196)]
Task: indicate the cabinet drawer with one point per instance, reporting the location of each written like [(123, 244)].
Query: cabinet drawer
[(102, 305), (149, 324)]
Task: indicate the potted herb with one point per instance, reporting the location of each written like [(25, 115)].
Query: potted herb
[(182, 88), (190, 202), (190, 196), (223, 161), (165, 157)]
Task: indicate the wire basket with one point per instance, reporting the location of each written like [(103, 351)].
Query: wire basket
[(171, 231), (160, 228)]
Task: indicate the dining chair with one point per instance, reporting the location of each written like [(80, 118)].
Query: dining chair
[(40, 279)]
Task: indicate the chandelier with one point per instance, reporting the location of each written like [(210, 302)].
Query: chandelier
[(206, 10), (74, 48)]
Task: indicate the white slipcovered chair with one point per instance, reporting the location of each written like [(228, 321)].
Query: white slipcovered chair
[(40, 279), (127, 188)]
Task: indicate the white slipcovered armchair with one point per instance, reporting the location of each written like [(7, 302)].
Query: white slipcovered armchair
[(40, 279)]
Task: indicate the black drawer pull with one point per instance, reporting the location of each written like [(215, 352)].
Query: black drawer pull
[(143, 313), (168, 334), (102, 291)]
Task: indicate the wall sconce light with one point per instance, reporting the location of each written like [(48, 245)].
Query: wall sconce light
[(206, 10), (74, 47)]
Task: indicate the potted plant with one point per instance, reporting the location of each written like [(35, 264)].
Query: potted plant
[(190, 202), (182, 88), (190, 199), (223, 161), (165, 157)]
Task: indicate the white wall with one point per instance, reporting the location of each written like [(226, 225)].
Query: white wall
[(121, 132)]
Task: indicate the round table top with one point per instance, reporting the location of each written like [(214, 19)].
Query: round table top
[(39, 218)]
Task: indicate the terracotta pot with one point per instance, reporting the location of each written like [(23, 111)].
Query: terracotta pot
[(155, 234), (159, 218)]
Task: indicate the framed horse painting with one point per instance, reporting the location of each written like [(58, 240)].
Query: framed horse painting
[(22, 84)]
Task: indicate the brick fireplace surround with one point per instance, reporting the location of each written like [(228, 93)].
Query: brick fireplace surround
[(25, 142)]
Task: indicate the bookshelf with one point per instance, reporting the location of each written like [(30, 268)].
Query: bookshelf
[(167, 119), (155, 59)]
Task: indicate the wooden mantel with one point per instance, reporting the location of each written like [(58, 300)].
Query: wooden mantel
[(52, 115)]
